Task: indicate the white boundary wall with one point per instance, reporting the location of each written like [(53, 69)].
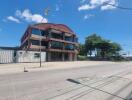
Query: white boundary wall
[(6, 56), (29, 56), (9, 56)]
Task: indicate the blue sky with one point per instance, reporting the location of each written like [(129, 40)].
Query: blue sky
[(84, 17)]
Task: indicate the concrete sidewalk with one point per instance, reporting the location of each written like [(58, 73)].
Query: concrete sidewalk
[(19, 67)]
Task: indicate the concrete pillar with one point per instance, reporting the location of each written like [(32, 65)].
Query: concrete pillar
[(63, 46), (70, 56), (63, 36), (49, 56), (75, 57), (63, 57), (49, 35), (73, 38), (49, 45)]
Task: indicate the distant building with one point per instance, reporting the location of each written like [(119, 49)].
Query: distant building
[(58, 41), (127, 55)]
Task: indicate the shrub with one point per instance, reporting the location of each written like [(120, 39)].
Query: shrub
[(80, 57)]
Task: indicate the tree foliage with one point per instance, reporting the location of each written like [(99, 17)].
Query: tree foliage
[(91, 43), (103, 47), (82, 49)]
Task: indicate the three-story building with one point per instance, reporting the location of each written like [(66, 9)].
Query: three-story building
[(58, 41)]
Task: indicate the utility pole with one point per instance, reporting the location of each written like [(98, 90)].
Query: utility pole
[(40, 48), (46, 12)]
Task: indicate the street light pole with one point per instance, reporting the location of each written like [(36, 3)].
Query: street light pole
[(40, 48), (46, 13)]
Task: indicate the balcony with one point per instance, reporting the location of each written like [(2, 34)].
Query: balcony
[(61, 50), (36, 44), (56, 36), (38, 32), (37, 37), (56, 45), (70, 39), (36, 47), (76, 39), (69, 47)]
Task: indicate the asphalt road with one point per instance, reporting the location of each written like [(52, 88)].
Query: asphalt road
[(102, 82)]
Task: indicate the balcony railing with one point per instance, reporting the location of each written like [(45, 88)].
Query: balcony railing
[(56, 45), (38, 32), (76, 40), (38, 47), (69, 39), (69, 47), (56, 36)]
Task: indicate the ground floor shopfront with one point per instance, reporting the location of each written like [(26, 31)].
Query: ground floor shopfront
[(59, 56)]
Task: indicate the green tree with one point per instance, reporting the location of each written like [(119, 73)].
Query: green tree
[(115, 48), (82, 50), (103, 47), (91, 43)]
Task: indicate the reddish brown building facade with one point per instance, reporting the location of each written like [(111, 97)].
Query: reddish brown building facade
[(58, 41)]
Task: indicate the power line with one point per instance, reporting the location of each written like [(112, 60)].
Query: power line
[(119, 7)]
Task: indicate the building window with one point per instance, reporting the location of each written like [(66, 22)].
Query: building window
[(68, 38), (69, 47), (39, 32), (35, 42), (44, 43), (76, 40), (36, 55), (36, 31), (56, 36), (44, 33), (56, 45)]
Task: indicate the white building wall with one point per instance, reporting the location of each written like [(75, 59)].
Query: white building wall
[(6, 56), (29, 56)]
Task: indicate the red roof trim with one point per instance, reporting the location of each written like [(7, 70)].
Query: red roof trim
[(61, 27)]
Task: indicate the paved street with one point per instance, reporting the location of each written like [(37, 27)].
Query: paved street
[(108, 81)]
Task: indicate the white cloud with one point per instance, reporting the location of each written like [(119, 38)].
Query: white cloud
[(88, 16), (28, 16), (86, 7), (103, 4), (11, 18), (107, 7)]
